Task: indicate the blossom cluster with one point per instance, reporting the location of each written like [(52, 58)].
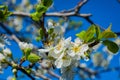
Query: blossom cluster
[(66, 51), (5, 54)]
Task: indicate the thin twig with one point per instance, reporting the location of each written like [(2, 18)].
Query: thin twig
[(13, 36), (42, 76), (53, 74)]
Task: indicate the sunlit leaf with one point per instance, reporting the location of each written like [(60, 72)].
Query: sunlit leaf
[(81, 35), (90, 33), (112, 46), (108, 33), (98, 32)]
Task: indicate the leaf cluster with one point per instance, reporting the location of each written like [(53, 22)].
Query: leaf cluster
[(41, 8), (4, 13), (95, 34)]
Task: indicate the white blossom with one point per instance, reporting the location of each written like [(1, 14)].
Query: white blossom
[(24, 45), (64, 43), (6, 51), (2, 45), (78, 51), (50, 23), (46, 63), (2, 57), (63, 61)]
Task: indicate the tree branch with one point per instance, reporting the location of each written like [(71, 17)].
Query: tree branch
[(55, 14), (13, 36)]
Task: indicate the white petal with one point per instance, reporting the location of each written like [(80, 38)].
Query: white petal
[(54, 54), (67, 42), (43, 50), (50, 23), (59, 63), (71, 53), (2, 45), (78, 41), (76, 57), (66, 62), (6, 50), (2, 57), (84, 48), (58, 51)]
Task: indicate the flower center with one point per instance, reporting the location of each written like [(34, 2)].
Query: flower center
[(59, 46), (76, 49)]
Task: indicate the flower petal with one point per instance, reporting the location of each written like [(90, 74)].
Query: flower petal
[(59, 63)]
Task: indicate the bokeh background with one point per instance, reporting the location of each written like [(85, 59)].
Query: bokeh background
[(104, 13)]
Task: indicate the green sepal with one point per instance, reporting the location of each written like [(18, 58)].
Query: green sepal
[(51, 30), (27, 52)]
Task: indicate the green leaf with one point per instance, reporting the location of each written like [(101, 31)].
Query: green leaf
[(4, 13), (41, 8), (81, 35), (108, 33), (38, 38), (112, 46), (36, 16), (98, 32), (2, 6), (33, 58), (27, 52), (50, 31), (47, 3), (41, 33), (90, 33)]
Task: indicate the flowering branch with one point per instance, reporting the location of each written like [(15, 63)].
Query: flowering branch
[(56, 50)]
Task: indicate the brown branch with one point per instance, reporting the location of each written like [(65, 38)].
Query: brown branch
[(55, 14), (72, 12), (43, 27), (50, 72), (25, 72), (42, 76), (97, 72), (21, 14), (13, 36), (80, 4), (20, 68), (53, 74)]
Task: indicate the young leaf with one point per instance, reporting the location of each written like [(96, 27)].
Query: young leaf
[(112, 46), (98, 32), (36, 16), (33, 58), (47, 3), (4, 13), (2, 6), (27, 52), (81, 35), (90, 33), (108, 33), (41, 8)]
